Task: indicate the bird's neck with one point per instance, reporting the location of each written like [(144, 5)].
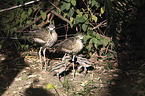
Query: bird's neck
[(54, 36), (80, 44)]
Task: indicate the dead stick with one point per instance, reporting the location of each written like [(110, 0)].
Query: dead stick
[(61, 17)]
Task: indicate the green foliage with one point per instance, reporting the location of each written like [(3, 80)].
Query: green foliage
[(82, 17), (19, 19), (73, 2), (29, 11), (0, 47), (15, 19), (43, 15), (88, 17), (87, 89), (94, 40)]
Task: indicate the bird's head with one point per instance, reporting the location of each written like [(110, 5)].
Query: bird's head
[(51, 28), (80, 36)]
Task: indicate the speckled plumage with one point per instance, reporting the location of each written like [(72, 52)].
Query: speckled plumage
[(71, 45), (45, 37)]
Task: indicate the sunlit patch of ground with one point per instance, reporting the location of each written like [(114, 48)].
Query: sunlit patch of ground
[(32, 78)]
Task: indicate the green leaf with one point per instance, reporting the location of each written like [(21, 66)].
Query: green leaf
[(105, 41), (93, 2), (50, 86), (94, 18), (84, 27), (73, 2), (80, 19), (71, 19), (71, 25), (96, 46), (91, 33), (87, 22), (13, 29), (102, 10), (99, 42), (67, 6), (28, 21), (94, 40), (86, 37), (63, 6), (97, 4), (26, 47), (98, 36), (71, 12), (43, 14), (86, 15), (91, 41), (90, 1), (0, 47), (23, 15), (89, 47), (79, 14), (11, 16), (29, 11)]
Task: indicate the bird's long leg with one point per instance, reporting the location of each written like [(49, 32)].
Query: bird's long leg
[(64, 57), (73, 66), (40, 58), (85, 71), (45, 58)]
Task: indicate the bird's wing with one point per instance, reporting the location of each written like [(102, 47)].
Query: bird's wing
[(67, 43), (41, 34)]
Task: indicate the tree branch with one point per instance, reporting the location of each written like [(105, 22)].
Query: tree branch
[(61, 17), (18, 6)]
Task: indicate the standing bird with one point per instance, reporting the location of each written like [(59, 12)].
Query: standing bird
[(45, 37), (71, 45)]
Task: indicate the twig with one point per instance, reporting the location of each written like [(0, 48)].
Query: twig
[(61, 17), (99, 24), (18, 6)]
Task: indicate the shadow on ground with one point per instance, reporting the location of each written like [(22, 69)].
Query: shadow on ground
[(37, 92), (131, 59), (9, 68), (11, 64)]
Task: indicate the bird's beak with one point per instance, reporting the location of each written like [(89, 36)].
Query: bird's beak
[(51, 29), (82, 37)]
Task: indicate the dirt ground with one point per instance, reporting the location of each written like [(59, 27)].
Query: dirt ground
[(29, 80)]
